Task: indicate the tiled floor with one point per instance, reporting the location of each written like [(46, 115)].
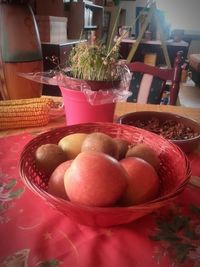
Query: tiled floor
[(189, 95)]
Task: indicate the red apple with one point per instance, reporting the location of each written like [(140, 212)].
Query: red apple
[(95, 179), (143, 181), (56, 180)]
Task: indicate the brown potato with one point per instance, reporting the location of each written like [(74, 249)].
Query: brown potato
[(100, 142), (71, 144), (48, 157), (122, 147), (144, 152)]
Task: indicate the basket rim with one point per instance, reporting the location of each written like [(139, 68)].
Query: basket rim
[(115, 124)]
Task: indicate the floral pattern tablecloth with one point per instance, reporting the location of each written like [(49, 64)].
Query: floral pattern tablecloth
[(34, 234)]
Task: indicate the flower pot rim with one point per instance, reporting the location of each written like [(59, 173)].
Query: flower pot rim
[(77, 79), (109, 85)]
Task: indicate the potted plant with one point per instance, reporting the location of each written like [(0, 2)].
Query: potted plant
[(94, 64), (92, 82)]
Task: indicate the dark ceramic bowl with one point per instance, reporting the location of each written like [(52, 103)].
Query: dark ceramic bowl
[(182, 131)]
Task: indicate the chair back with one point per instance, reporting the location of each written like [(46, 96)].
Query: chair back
[(148, 84), (194, 48)]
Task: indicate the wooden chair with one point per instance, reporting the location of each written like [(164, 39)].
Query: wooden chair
[(148, 82)]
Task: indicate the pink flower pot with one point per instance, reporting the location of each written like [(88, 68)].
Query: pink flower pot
[(79, 110)]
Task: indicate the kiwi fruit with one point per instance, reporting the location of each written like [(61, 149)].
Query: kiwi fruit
[(123, 146), (48, 157), (144, 152), (101, 142)]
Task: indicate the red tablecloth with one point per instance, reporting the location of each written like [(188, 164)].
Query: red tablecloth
[(34, 234)]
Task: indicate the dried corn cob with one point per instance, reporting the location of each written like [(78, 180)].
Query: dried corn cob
[(37, 100), (25, 112)]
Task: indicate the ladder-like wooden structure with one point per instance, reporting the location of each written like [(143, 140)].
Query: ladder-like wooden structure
[(152, 11)]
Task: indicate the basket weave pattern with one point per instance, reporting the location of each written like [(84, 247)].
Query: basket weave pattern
[(174, 174)]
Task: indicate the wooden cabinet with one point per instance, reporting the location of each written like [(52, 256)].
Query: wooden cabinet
[(20, 52), (84, 16), (110, 14), (61, 52), (153, 47), (50, 8)]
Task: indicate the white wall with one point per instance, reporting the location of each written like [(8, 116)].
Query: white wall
[(180, 14), (130, 7), (185, 16)]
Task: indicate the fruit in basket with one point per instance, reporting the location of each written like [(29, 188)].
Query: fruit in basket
[(48, 157), (100, 142), (122, 147), (71, 144), (145, 152), (95, 179), (143, 181), (56, 180)]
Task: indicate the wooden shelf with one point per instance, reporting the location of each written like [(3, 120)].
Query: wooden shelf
[(78, 20), (91, 5), (75, 12), (109, 20), (92, 27)]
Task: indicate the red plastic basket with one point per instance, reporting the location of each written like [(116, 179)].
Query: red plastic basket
[(174, 174)]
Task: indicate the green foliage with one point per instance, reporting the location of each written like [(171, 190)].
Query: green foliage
[(10, 184), (49, 263), (94, 62), (195, 210), (17, 193), (178, 232)]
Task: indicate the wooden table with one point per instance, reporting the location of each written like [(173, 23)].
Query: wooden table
[(41, 236), (121, 108)]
